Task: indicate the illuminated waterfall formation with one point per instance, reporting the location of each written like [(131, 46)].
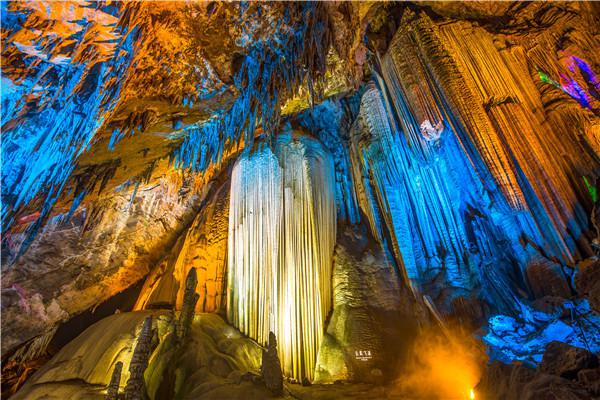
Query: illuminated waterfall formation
[(282, 230)]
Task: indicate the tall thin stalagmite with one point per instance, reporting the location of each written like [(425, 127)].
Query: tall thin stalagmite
[(112, 392), (190, 298), (136, 389)]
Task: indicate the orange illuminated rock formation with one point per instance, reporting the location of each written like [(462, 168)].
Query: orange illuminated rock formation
[(203, 247)]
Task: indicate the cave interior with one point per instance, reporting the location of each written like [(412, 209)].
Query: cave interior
[(300, 200)]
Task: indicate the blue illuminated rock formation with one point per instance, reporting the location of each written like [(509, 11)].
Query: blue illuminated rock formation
[(65, 96), (445, 225), (50, 117)]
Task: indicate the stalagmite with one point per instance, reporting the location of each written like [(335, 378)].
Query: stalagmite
[(136, 388), (190, 298), (282, 225), (112, 392), (271, 367)]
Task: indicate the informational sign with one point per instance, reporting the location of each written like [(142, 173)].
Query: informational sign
[(363, 355)]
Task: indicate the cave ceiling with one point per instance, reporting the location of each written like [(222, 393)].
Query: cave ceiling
[(174, 62), (169, 65)]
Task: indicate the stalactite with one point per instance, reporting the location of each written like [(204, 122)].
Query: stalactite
[(546, 158), (64, 87), (458, 75), (444, 221), (40, 152), (267, 74), (282, 225), (330, 121)]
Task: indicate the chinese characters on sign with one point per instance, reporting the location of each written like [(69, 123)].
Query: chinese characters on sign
[(362, 355)]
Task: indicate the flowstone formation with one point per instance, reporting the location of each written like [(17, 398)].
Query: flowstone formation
[(209, 200), (282, 225)]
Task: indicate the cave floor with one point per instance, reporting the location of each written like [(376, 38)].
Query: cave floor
[(77, 389), (216, 362)]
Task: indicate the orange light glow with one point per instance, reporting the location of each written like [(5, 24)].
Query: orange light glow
[(443, 366)]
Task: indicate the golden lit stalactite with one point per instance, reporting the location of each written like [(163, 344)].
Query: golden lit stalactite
[(550, 160), (282, 225)]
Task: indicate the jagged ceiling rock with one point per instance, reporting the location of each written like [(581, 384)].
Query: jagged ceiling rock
[(84, 75)]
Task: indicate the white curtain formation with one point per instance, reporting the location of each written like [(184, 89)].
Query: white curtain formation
[(282, 231)]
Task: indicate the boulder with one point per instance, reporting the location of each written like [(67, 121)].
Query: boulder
[(551, 305), (566, 361), (587, 275), (587, 281), (516, 382), (545, 279), (470, 310)]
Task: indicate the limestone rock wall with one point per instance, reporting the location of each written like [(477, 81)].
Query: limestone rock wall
[(99, 252), (204, 247)]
